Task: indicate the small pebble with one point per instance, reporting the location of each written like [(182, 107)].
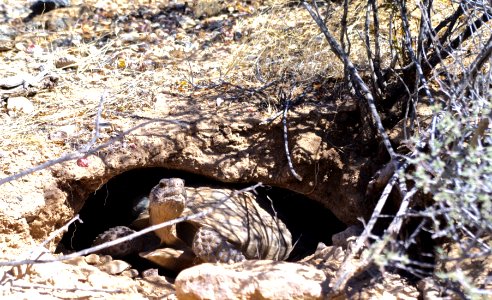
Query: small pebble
[(115, 267), (76, 261), (66, 61), (132, 273), (150, 273), (93, 259), (104, 259), (19, 105)]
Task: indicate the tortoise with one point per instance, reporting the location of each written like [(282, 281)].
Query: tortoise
[(237, 229)]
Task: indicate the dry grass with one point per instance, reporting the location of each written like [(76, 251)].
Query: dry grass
[(137, 69), (283, 39)]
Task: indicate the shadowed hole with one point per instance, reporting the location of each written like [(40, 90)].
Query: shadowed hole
[(114, 204)]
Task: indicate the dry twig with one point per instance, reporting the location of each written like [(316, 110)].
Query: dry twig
[(133, 235)]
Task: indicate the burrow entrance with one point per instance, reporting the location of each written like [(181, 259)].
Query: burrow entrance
[(113, 205)]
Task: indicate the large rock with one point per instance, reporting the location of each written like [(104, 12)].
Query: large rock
[(369, 284), (251, 279)]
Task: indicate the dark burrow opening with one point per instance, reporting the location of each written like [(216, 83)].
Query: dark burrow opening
[(113, 205)]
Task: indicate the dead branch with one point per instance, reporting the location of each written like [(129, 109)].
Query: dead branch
[(470, 74), (55, 288), (286, 142), (357, 80), (25, 84), (349, 266), (84, 153), (87, 251), (444, 52), (55, 233)]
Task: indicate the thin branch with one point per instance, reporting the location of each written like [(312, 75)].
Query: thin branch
[(349, 266), (286, 142), (87, 251), (470, 74), (55, 233), (442, 54), (96, 125), (83, 153), (397, 222), (356, 79), (74, 289)]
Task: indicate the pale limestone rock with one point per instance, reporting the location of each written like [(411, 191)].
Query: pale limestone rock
[(76, 261), (369, 285), (17, 105), (208, 8), (251, 279), (93, 259), (115, 267), (132, 273)]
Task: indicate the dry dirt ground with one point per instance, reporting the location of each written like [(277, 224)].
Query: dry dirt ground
[(113, 86)]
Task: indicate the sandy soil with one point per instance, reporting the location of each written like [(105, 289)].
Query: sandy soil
[(138, 84)]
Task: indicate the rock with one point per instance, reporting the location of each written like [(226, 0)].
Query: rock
[(6, 44), (208, 8), (19, 105), (186, 22), (327, 259), (132, 273), (341, 238), (429, 289), (115, 267), (66, 62), (131, 37), (161, 104), (62, 134), (170, 259), (380, 286), (370, 284), (92, 259), (251, 279), (150, 273), (76, 261)]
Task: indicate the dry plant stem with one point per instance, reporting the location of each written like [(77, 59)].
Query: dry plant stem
[(97, 125), (397, 222), (369, 52), (15, 81), (470, 75), (55, 233), (286, 143), (408, 45), (377, 48), (133, 235), (348, 267), (356, 79), (54, 288), (450, 22), (272, 118), (374, 60), (82, 153), (344, 36), (443, 53)]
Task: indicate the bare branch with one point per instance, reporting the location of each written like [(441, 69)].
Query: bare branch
[(201, 214), (84, 153), (356, 79), (286, 142)]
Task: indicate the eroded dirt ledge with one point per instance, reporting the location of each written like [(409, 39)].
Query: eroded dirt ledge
[(227, 144)]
